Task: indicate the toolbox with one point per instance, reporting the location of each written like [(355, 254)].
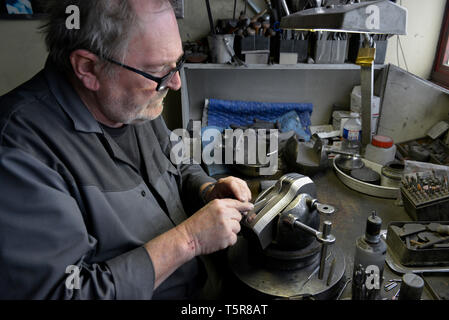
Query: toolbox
[(406, 250)]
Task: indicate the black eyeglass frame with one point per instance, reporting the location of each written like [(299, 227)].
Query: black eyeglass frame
[(161, 81)]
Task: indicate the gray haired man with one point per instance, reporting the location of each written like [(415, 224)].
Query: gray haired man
[(86, 180)]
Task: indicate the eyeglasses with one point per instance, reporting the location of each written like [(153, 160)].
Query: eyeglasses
[(161, 82)]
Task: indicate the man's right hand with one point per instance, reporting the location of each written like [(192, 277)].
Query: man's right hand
[(215, 226)]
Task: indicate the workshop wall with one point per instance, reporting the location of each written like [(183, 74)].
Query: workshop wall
[(420, 43), (23, 53)]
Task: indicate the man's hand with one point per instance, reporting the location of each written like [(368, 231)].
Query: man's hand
[(215, 226), (229, 187)]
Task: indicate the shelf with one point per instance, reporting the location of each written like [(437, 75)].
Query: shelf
[(298, 66)]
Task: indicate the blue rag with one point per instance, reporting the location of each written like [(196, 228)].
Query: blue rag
[(223, 113)]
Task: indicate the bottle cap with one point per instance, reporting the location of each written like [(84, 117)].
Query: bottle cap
[(382, 141)]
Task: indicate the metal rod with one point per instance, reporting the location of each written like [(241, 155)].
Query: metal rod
[(253, 6), (327, 225), (211, 20), (366, 80), (235, 8), (284, 5)]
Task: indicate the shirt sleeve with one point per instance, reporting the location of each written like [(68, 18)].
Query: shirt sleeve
[(45, 246)]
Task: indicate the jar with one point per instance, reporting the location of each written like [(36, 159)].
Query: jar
[(381, 150), (392, 174)]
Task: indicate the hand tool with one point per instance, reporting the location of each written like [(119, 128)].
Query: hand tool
[(265, 26), (411, 228), (431, 243), (438, 228), (427, 236), (396, 295), (390, 286), (256, 26), (258, 16)]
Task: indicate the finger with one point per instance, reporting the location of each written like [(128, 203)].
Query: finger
[(244, 189), (235, 226), (237, 189), (239, 205)]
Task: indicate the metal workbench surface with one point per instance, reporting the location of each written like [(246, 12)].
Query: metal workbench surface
[(348, 223)]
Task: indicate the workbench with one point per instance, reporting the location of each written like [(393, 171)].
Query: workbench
[(348, 224)]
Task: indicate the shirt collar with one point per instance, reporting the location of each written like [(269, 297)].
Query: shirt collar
[(69, 100)]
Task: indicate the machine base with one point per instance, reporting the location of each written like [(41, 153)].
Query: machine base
[(288, 284)]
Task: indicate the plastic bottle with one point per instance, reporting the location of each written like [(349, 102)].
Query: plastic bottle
[(370, 251), (352, 134), (381, 150)]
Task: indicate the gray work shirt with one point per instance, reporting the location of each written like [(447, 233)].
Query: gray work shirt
[(71, 197)]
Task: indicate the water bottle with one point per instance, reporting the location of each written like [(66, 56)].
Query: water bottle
[(352, 135)]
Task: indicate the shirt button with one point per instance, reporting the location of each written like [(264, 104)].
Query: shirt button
[(143, 193)]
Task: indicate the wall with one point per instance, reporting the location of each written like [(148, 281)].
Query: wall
[(22, 49), (22, 52), (420, 43)]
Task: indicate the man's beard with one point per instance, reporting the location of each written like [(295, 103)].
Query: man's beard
[(126, 111)]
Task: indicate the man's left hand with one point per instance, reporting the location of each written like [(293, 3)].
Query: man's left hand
[(229, 187)]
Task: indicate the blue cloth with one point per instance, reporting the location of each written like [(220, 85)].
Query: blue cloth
[(223, 113)]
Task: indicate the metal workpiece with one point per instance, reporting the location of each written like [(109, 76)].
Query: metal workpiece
[(327, 226), (273, 202), (295, 245), (412, 287)]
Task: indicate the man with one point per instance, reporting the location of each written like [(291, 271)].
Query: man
[(91, 207)]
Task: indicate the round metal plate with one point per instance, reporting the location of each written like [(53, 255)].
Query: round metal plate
[(287, 283)]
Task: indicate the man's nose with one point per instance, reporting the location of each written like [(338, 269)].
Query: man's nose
[(175, 82)]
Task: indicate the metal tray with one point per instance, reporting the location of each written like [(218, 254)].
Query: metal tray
[(412, 257), (367, 188)]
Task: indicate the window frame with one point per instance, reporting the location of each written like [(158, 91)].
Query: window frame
[(440, 72)]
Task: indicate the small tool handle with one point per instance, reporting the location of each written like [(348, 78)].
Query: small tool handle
[(443, 229), (439, 228)]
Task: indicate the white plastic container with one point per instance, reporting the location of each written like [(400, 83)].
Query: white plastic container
[(381, 150), (356, 106)]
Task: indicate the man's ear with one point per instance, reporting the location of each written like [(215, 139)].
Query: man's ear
[(83, 64)]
